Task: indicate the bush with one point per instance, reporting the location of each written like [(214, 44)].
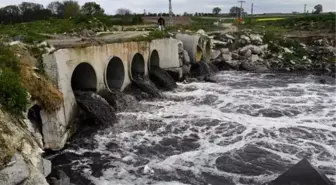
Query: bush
[(12, 95), (8, 60)]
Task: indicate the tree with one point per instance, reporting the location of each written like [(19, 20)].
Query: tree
[(33, 11), (56, 8), (123, 11), (10, 14), (216, 10), (71, 8), (318, 9), (92, 8), (235, 11), (64, 9)]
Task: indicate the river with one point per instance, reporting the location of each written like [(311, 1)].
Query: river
[(246, 129)]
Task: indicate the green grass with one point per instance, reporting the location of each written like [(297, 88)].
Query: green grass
[(33, 31), (12, 94)]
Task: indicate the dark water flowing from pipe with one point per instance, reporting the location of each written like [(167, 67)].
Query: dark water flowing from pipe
[(246, 129)]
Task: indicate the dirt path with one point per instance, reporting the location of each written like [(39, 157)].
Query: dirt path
[(227, 28)]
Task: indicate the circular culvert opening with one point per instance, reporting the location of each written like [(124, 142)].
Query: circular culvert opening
[(199, 53), (154, 60), (84, 78), (115, 73), (137, 66)]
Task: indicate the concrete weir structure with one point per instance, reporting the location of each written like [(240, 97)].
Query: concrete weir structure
[(108, 66)]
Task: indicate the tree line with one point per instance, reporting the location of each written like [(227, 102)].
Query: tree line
[(29, 11), (235, 10)]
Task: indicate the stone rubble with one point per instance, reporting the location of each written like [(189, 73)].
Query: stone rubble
[(16, 171), (247, 51)]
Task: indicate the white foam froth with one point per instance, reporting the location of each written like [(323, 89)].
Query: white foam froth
[(278, 116)]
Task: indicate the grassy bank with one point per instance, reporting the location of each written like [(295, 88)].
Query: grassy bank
[(36, 31), (324, 23)]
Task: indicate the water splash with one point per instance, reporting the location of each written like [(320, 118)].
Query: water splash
[(246, 129)]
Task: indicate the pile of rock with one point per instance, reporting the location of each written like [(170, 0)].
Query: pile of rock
[(240, 52), (19, 172), (246, 51)]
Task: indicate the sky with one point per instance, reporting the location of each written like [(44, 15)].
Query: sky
[(192, 6)]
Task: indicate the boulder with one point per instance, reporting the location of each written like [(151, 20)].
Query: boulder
[(227, 57), (63, 179), (254, 59), (36, 178), (230, 41), (256, 50), (15, 173), (256, 39), (242, 42), (201, 32), (248, 53), (302, 173), (248, 66), (219, 44), (229, 36), (286, 50), (225, 51), (233, 64), (246, 38), (235, 56), (46, 164), (215, 54)]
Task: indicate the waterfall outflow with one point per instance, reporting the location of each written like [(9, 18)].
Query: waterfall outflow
[(143, 84), (119, 100), (204, 71), (96, 107), (162, 79)]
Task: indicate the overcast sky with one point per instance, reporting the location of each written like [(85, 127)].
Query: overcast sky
[(191, 6)]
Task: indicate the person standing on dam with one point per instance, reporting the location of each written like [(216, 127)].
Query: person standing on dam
[(161, 23)]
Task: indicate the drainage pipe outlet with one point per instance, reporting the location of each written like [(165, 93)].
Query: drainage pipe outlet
[(191, 45)]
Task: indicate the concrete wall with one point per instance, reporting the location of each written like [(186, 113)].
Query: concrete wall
[(61, 64), (168, 52)]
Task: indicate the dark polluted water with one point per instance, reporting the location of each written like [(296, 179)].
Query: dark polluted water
[(246, 129)]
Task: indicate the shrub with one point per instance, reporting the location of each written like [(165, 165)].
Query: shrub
[(41, 90), (12, 95), (8, 60)]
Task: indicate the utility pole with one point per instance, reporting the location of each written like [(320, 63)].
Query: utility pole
[(170, 14), (252, 10), (241, 8), (305, 9)]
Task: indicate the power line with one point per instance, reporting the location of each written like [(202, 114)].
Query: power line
[(241, 8)]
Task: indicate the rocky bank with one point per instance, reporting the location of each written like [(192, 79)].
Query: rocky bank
[(21, 137), (248, 51)]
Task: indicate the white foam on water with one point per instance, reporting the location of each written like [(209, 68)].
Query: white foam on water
[(296, 114)]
